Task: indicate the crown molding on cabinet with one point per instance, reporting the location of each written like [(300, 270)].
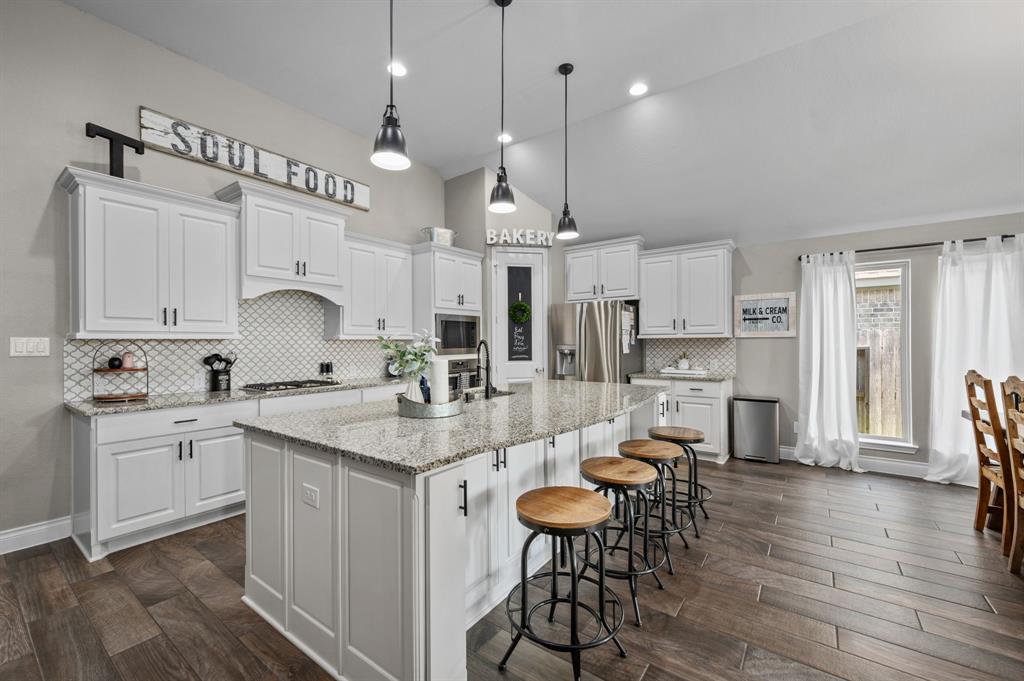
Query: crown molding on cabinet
[(71, 178), (621, 241)]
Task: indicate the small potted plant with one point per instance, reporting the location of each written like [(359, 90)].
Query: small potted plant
[(410, 360)]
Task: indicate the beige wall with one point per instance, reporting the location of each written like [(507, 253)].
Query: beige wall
[(60, 68), (769, 366)]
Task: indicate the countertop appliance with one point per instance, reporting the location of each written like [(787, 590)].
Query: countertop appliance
[(458, 333), (755, 428), (596, 341), (276, 386)]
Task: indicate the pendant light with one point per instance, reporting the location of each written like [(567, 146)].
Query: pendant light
[(566, 224), (502, 200), (389, 146)]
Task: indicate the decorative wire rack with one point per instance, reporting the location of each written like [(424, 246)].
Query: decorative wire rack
[(121, 384)]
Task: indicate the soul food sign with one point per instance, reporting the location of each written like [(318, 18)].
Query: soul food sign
[(765, 315), (194, 142)]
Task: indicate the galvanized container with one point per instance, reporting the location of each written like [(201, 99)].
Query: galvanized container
[(418, 410), (440, 235)]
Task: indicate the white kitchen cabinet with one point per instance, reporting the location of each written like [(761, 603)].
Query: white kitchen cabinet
[(215, 474), (289, 241), (148, 262), (378, 297), (480, 540), (519, 469), (445, 280), (703, 405), (140, 484), (686, 291), (447, 553), (602, 439), (563, 458), (702, 413), (604, 270), (659, 297)]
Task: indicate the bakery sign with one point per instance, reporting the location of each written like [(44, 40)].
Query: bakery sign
[(520, 237), (765, 315), (196, 143)]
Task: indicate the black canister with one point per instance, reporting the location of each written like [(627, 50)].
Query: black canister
[(220, 379)]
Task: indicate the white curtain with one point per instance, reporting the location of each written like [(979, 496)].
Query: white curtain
[(828, 362), (979, 324)]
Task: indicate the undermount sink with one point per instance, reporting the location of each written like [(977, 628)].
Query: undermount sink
[(473, 394)]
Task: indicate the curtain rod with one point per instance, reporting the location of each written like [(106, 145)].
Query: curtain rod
[(923, 245)]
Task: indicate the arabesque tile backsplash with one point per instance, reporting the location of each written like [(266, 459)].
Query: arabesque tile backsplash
[(718, 355), (282, 338)]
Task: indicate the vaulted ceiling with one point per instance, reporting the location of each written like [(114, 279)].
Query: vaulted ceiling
[(765, 120)]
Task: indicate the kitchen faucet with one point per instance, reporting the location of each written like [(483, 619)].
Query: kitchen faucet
[(488, 388)]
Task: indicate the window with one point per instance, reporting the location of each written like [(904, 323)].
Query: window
[(883, 352)]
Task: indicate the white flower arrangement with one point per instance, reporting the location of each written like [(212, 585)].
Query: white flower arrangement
[(410, 359)]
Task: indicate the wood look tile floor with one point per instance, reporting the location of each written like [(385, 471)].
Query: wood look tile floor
[(802, 574)]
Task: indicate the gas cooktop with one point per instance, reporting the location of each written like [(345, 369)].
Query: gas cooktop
[(287, 385)]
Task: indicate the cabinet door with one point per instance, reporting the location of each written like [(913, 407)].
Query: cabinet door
[(447, 287), (617, 277), (203, 296), (125, 272), (139, 484), (362, 314), (447, 554), (215, 474), (564, 459), (479, 524), (702, 413), (470, 278), (659, 295), (394, 280), (522, 469), (323, 241), (272, 241), (705, 309), (581, 273), (595, 440)]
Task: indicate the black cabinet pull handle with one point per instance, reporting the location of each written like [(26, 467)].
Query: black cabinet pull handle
[(187, 421), (175, 316), (190, 449), (296, 268), (602, 289), (697, 390), (552, 441), (464, 486), (673, 325), (303, 268), (378, 323), (497, 460), (504, 458), (179, 450), (684, 323), (384, 324), (165, 316), (595, 289)]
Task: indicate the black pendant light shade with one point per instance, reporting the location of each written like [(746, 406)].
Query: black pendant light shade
[(502, 200), (389, 146), (566, 223)]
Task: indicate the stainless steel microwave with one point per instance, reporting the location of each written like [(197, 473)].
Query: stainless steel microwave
[(458, 333)]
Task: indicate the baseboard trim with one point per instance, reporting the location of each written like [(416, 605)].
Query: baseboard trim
[(876, 464), (26, 536)]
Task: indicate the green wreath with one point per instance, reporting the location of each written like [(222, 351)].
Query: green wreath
[(519, 312)]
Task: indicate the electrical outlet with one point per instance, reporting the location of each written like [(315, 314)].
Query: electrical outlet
[(796, 427), (310, 495), (30, 347)]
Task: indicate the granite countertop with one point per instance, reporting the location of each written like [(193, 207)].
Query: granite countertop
[(657, 375), (374, 433), (171, 400)]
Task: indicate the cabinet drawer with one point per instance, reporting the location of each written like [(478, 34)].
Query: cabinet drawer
[(697, 388), (120, 427), (284, 405)]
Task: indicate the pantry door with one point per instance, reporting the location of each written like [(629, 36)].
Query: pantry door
[(519, 305)]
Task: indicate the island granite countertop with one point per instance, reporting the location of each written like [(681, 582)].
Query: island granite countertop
[(194, 399), (375, 434)]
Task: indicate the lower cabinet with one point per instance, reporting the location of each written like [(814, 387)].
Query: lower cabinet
[(602, 439), (149, 482), (702, 413)]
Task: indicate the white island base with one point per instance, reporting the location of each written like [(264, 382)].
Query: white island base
[(376, 573)]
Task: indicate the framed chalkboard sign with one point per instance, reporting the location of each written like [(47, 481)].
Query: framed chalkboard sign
[(520, 317), (765, 315)]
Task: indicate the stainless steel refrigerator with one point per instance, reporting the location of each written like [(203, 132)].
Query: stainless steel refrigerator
[(596, 341)]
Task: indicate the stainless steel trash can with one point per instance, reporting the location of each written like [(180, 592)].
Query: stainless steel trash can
[(755, 425)]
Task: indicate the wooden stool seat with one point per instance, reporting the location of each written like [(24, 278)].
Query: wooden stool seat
[(651, 450), (676, 434), (616, 470), (563, 508)]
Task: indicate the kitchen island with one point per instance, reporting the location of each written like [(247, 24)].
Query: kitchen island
[(374, 541)]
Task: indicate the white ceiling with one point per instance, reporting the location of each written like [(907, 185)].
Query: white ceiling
[(766, 120)]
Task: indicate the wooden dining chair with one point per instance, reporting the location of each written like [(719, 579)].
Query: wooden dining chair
[(994, 484), (1013, 401)]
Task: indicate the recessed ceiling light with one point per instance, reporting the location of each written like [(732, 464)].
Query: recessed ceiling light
[(397, 69), (637, 89), (504, 138)]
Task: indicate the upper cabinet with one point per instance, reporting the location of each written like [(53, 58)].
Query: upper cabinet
[(686, 291), (148, 262), (446, 280), (289, 242), (602, 270), (378, 291)]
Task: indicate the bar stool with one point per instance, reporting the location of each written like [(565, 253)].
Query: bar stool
[(661, 455), (696, 493), (564, 513), (621, 477)]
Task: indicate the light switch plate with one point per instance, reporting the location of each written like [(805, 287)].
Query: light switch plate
[(310, 495), (30, 347)]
